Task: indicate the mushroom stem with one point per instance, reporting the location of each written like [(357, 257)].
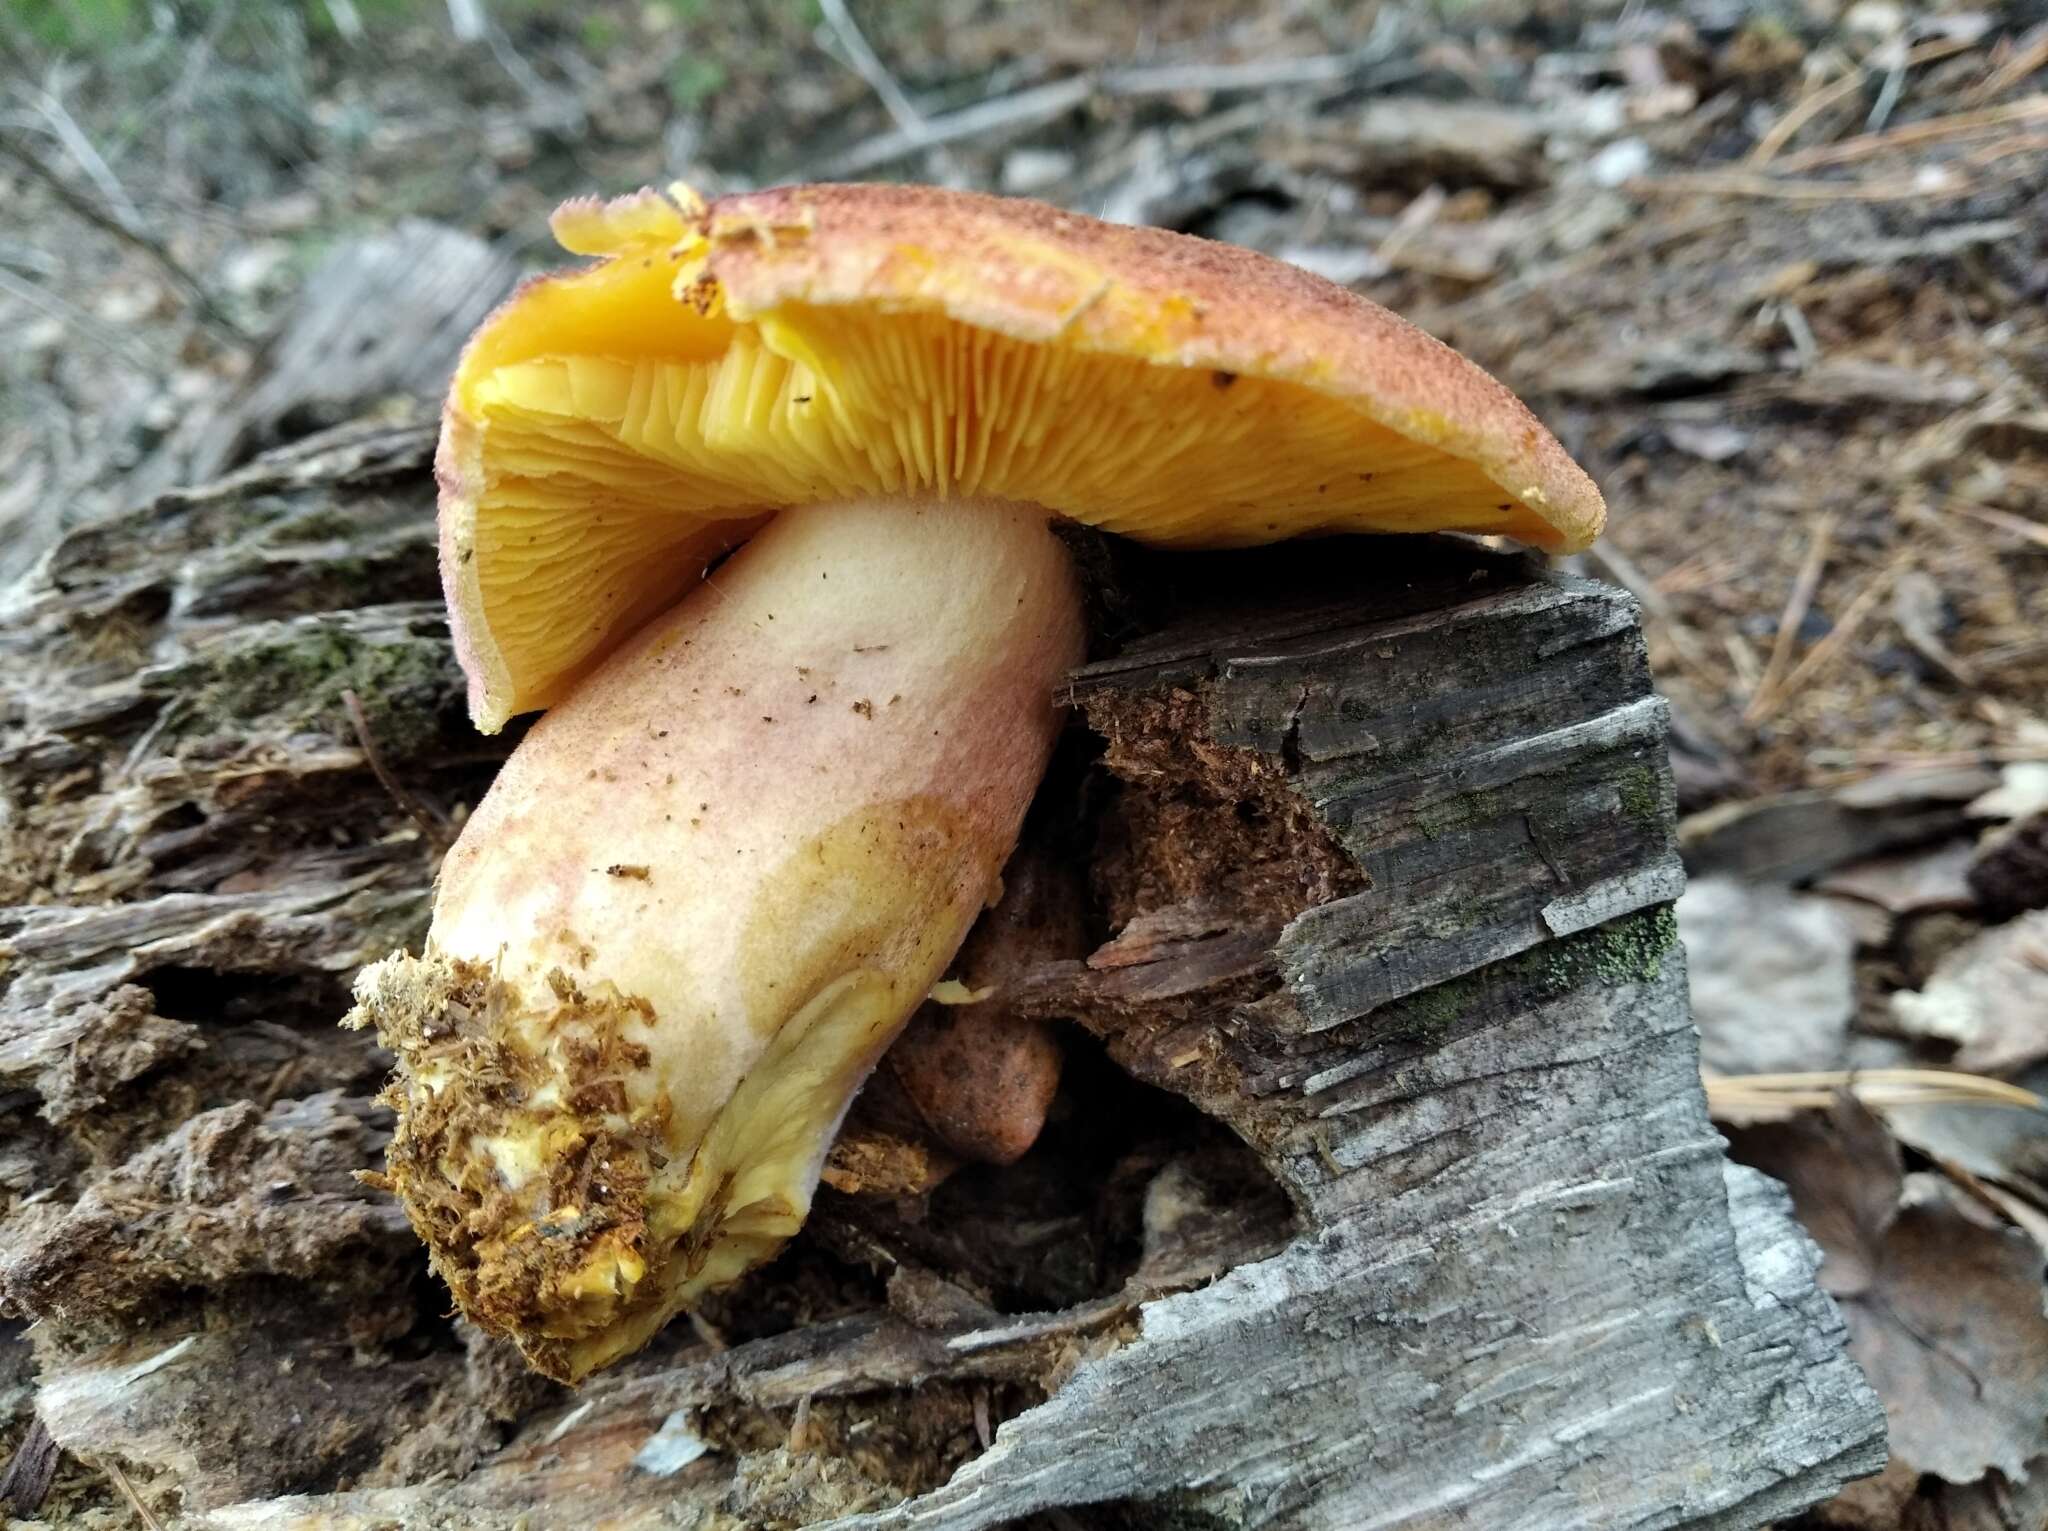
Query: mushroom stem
[(700, 900)]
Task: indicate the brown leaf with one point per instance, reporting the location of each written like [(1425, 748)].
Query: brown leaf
[(2007, 1144), (1911, 882), (1990, 996), (1943, 1305), (1954, 1341), (1845, 1175), (1996, 1504)]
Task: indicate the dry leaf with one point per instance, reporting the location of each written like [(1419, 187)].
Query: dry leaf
[(1911, 883), (1989, 996), (1773, 989), (1944, 1308)]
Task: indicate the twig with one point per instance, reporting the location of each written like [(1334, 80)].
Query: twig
[(194, 291), (75, 318), (1876, 1088), (1824, 653), (431, 825), (25, 1479), (1888, 93), (868, 65), (51, 110), (1537, 278), (1042, 103), (2004, 148), (134, 1499), (707, 1333), (1735, 183), (200, 57), (1927, 760), (1257, 74), (467, 20), (558, 109), (2028, 109), (2030, 55), (2018, 652), (1793, 317), (1801, 113), (348, 21), (1743, 657), (1411, 221), (2004, 520), (1027, 108), (1797, 604), (1623, 570), (1805, 110)]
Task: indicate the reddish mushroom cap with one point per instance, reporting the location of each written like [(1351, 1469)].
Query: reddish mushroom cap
[(613, 430)]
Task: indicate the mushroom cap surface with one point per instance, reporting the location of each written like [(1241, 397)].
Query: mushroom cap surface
[(613, 430)]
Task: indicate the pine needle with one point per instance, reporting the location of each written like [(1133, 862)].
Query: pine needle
[(1745, 1095)]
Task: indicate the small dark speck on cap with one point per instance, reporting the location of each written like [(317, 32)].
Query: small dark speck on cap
[(1222, 379)]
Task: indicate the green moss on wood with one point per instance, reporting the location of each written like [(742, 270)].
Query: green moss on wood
[(1627, 950), (1642, 796), (291, 679)]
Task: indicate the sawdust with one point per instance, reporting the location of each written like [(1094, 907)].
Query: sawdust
[(1195, 820)]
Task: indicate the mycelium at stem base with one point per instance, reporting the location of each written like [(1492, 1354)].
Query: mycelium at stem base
[(699, 901)]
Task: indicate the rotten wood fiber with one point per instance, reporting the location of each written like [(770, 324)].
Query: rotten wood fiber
[(1381, 836)]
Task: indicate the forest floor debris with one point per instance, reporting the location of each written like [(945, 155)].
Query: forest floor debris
[(1777, 281)]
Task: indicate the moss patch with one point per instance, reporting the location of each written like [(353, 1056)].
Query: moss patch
[(1623, 951), (291, 678), (1642, 795)]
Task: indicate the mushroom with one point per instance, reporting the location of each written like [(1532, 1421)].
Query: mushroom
[(979, 1076), (771, 794)]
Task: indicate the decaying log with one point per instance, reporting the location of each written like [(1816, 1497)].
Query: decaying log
[(1381, 1190)]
